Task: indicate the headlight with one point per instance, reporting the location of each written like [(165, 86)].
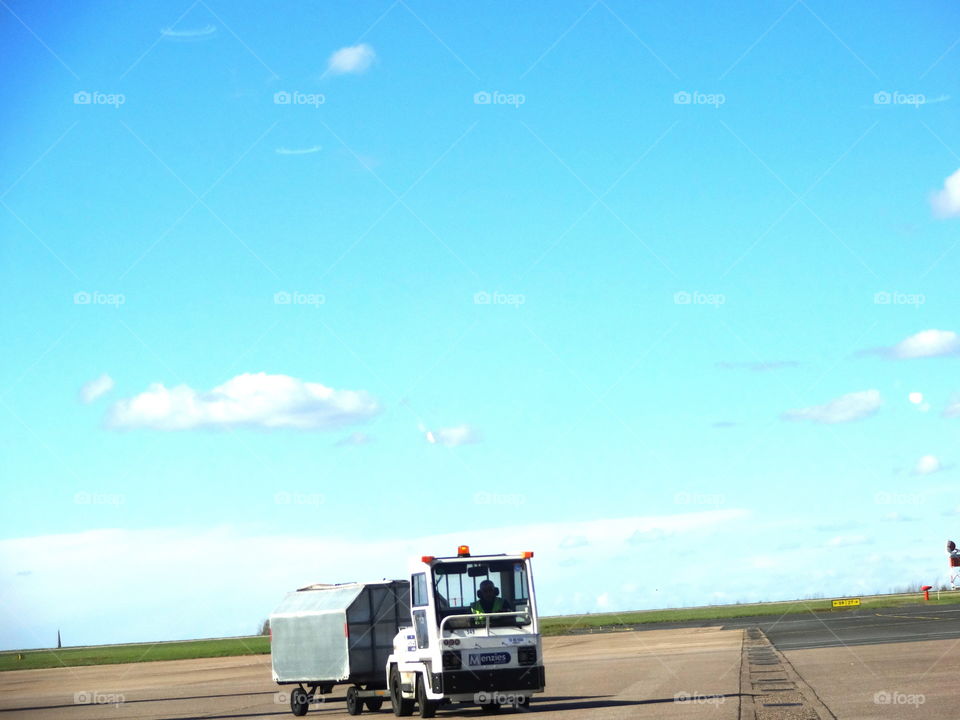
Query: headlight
[(527, 655)]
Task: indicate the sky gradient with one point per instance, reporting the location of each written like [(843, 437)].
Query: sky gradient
[(664, 293)]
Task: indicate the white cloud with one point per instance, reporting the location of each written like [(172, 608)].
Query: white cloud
[(251, 400), (953, 407), (759, 366), (191, 34), (357, 438), (96, 388), (353, 59), (452, 436), (946, 202), (927, 343), (927, 465), (846, 408), (574, 541), (104, 568), (848, 540), (298, 151)]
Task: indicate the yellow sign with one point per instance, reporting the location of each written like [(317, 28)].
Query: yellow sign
[(847, 602)]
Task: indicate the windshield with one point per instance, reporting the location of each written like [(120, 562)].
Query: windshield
[(491, 586)]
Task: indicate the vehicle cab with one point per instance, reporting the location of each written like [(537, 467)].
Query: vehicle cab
[(474, 637)]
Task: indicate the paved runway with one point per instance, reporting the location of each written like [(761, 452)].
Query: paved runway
[(676, 674), (862, 627), (893, 663), (843, 627)]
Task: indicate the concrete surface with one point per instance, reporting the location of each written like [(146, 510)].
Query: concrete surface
[(675, 674), (903, 681)]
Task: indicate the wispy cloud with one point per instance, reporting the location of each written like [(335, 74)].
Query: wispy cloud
[(953, 407), (848, 541), (760, 366), (96, 388), (924, 344), (946, 202), (357, 438), (846, 408), (246, 401), (189, 34), (298, 151), (452, 436), (351, 60)]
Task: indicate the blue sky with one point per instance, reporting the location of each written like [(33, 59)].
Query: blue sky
[(663, 282)]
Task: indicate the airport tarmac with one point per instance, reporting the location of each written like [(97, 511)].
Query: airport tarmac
[(885, 664)]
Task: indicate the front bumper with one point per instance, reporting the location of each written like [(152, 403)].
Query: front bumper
[(474, 681)]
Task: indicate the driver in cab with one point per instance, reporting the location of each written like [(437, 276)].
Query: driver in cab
[(489, 601)]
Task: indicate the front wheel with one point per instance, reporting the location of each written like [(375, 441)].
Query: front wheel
[(490, 708), (401, 707), (299, 702), (354, 701), (428, 708), (374, 704)]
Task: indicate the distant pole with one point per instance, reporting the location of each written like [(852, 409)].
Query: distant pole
[(59, 645)]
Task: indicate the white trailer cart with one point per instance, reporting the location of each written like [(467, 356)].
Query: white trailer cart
[(326, 635)]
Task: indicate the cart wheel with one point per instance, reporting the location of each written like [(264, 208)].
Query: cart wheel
[(299, 702), (374, 704), (428, 708), (523, 702), (490, 708), (401, 707), (354, 701)]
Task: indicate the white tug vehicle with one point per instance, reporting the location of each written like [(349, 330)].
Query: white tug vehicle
[(475, 635)]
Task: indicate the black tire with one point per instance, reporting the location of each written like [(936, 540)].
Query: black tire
[(299, 702), (490, 708), (374, 704), (428, 708), (401, 706), (354, 701), (523, 703)]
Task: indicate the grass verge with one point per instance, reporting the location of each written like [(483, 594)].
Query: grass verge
[(145, 652), (559, 625)]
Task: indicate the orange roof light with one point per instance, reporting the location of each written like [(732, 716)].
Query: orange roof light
[(463, 551), (527, 554), (427, 559)]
